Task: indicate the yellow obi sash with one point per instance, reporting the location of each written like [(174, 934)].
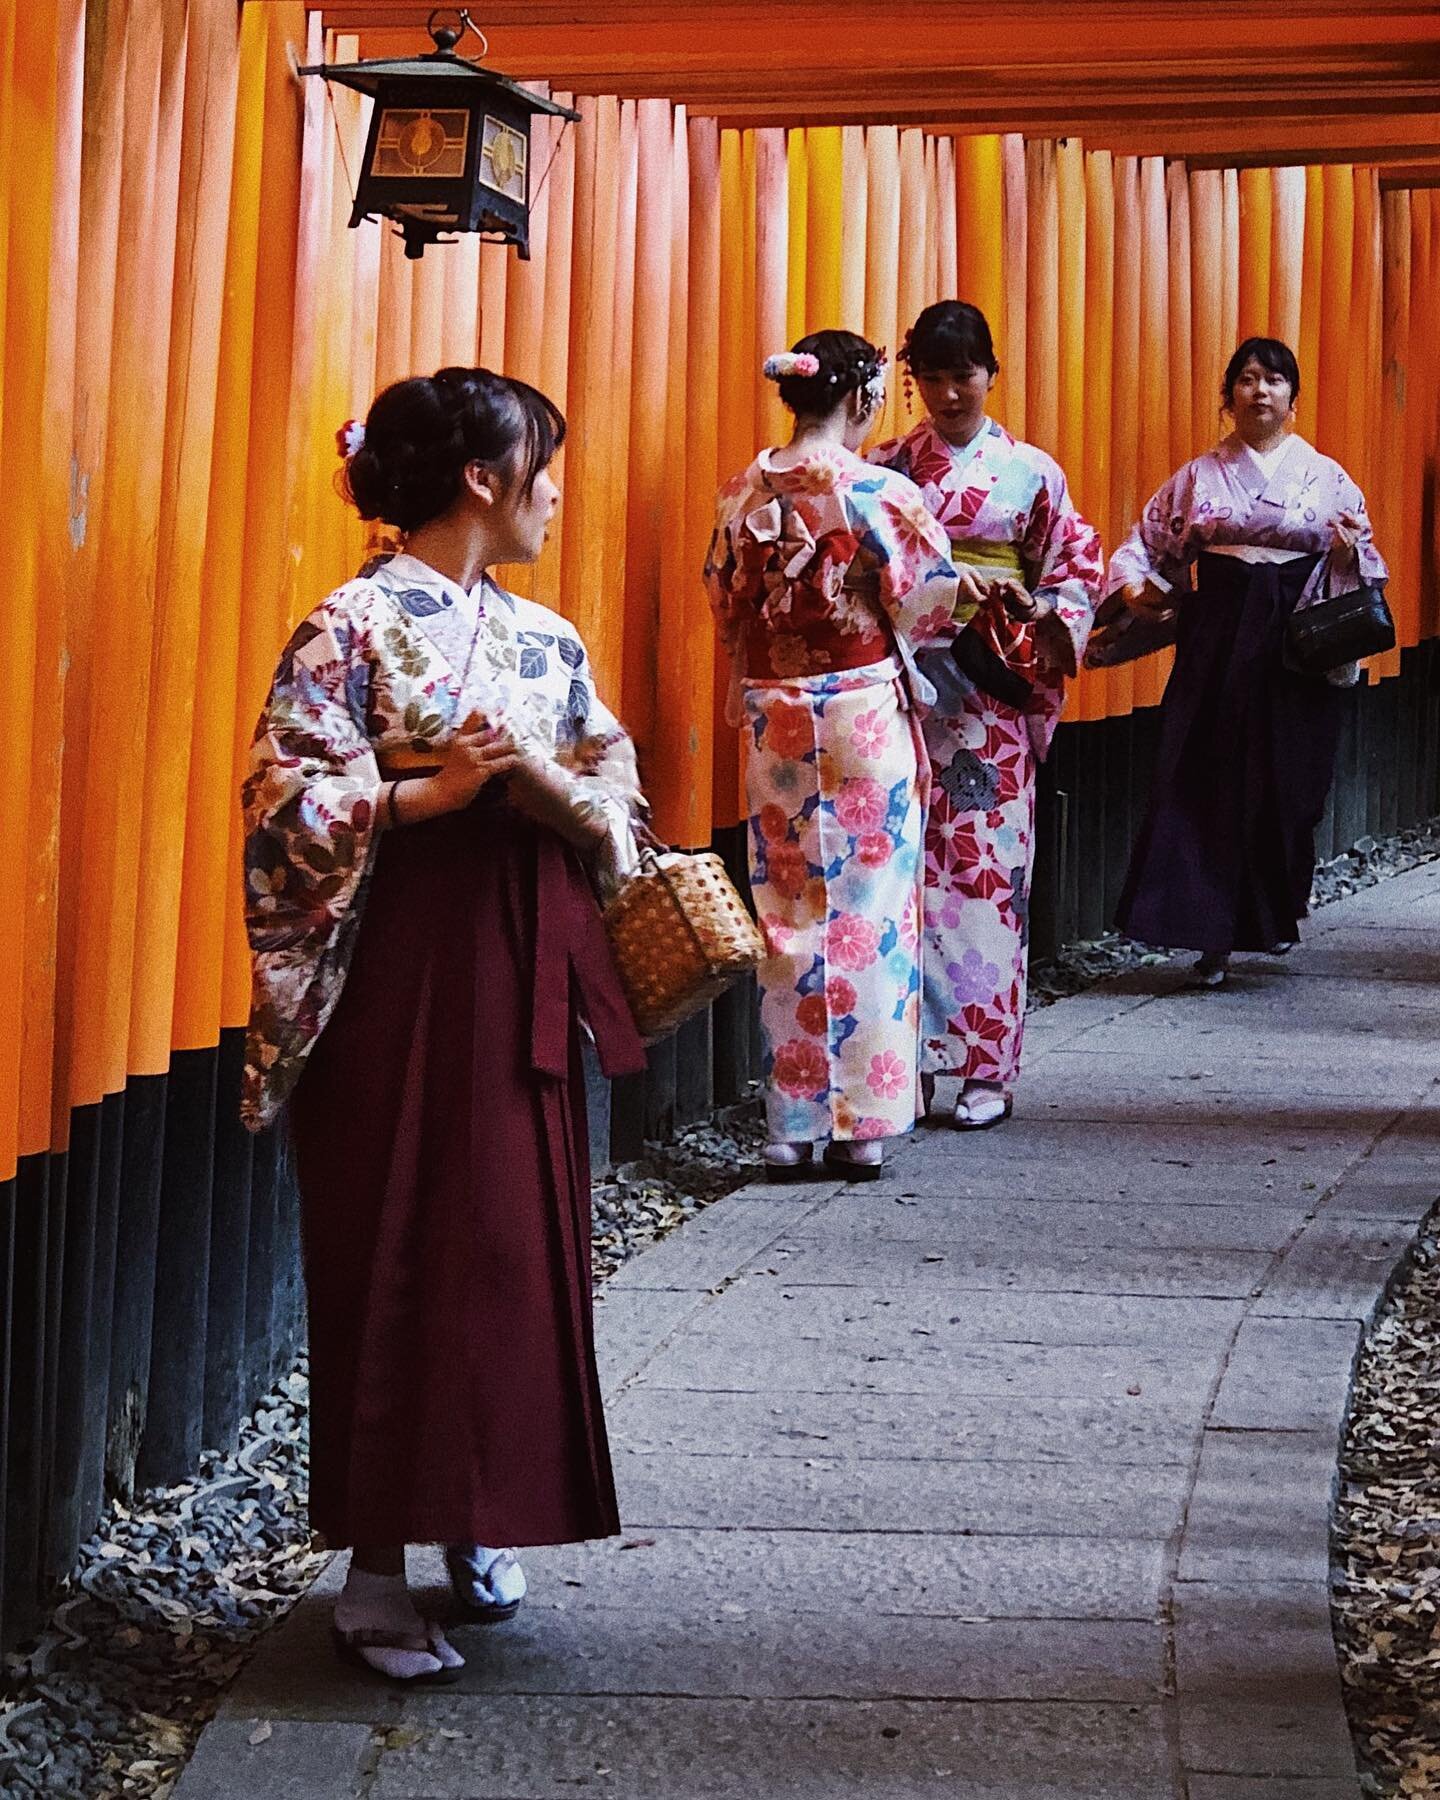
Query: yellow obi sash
[(987, 557)]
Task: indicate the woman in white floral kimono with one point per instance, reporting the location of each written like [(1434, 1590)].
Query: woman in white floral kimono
[(1034, 567), (430, 769), (825, 575), (1226, 855)]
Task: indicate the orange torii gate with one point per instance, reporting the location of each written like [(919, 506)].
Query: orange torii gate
[(186, 318)]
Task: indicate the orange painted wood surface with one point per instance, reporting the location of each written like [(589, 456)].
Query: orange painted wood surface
[(194, 318)]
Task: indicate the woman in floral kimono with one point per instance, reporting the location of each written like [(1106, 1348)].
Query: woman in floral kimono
[(1034, 567), (430, 774), (1226, 855), (824, 575)]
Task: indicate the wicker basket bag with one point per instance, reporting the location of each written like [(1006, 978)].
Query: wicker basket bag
[(681, 935)]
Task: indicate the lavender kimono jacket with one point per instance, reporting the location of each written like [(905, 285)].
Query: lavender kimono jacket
[(1224, 499)]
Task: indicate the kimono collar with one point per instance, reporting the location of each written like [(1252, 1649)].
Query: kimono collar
[(1247, 471), (819, 471), (958, 455), (423, 592)]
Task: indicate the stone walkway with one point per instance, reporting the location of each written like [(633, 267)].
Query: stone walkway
[(1008, 1477)]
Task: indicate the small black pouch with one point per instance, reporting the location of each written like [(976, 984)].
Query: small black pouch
[(990, 673), (1344, 629)]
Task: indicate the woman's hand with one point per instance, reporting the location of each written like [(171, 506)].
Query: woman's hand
[(478, 753), (1018, 601), (973, 590), (1347, 529), (1149, 601)]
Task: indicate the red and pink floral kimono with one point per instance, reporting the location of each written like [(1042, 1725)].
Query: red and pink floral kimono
[(1006, 510), (825, 577)]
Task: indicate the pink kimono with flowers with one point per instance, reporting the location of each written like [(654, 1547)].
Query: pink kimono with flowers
[(1005, 507), (824, 577)]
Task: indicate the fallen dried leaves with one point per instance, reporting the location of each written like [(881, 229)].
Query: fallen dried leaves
[(1387, 1540)]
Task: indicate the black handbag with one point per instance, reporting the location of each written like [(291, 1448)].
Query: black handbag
[(1344, 629), (1121, 636)]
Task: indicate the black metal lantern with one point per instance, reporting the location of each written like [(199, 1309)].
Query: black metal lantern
[(449, 144)]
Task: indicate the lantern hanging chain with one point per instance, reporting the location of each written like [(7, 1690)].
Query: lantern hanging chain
[(560, 139), (340, 141)]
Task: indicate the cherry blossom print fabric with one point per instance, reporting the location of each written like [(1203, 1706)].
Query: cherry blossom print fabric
[(827, 564), (834, 772)]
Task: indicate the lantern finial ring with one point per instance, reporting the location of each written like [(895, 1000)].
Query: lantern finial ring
[(446, 37)]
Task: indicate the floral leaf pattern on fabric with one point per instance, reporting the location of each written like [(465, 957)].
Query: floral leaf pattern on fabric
[(997, 490), (371, 671), (423, 603)]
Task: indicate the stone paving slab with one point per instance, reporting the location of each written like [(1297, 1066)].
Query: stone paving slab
[(715, 1244), (919, 1365), (1336, 1269), (523, 1748), (1117, 1432), (1260, 1508), (856, 1574), (1270, 1787), (1287, 1374), (830, 1494), (1008, 1476), (852, 1220), (1044, 1266)]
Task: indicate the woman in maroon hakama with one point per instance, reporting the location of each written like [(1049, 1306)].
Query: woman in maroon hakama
[(431, 769)]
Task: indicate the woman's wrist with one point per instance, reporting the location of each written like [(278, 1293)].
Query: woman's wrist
[(424, 799)]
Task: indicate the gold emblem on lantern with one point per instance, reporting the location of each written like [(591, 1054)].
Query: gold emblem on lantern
[(502, 159), (412, 142)]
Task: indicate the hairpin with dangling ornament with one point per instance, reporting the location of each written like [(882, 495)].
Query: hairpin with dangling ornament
[(906, 381)]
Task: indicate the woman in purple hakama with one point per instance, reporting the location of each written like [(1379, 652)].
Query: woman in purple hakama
[(1226, 854), (431, 775)]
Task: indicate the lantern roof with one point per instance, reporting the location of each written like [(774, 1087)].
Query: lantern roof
[(463, 78)]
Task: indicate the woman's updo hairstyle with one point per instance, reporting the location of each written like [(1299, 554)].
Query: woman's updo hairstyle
[(1271, 354), (817, 374), (422, 434), (950, 335)]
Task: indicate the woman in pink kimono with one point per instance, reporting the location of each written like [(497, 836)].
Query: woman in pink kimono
[(1222, 556), (1033, 567), (824, 574)]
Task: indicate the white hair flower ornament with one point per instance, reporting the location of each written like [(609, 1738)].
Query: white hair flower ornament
[(350, 438)]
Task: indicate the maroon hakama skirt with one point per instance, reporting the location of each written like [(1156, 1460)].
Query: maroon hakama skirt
[(443, 1165)]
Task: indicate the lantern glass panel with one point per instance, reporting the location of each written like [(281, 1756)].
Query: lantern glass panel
[(414, 142), (503, 156)]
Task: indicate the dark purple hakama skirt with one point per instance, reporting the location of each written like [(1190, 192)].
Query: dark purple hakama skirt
[(1226, 855), (443, 1164)]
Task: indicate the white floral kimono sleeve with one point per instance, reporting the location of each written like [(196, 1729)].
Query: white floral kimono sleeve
[(310, 812)]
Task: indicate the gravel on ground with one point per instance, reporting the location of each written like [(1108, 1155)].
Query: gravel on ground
[(1386, 1538)]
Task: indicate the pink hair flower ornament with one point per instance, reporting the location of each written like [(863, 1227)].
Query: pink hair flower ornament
[(791, 362), (350, 438)]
